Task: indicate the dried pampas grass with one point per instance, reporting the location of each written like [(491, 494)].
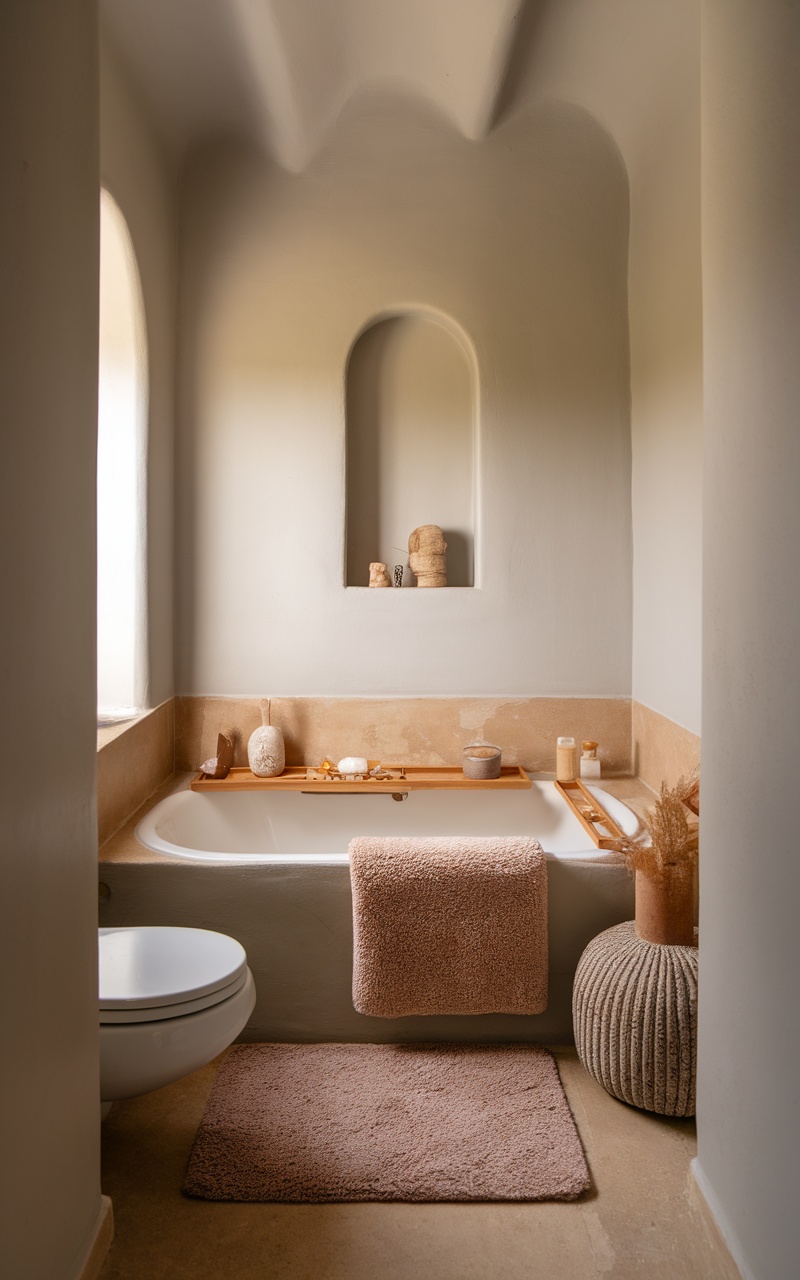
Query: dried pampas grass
[(667, 844)]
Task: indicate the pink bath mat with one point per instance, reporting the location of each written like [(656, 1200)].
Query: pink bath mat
[(314, 1123)]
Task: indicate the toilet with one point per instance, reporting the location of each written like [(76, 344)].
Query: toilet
[(171, 999)]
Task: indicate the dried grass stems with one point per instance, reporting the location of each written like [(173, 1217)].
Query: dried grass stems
[(667, 845)]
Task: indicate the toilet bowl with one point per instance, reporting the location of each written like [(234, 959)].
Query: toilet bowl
[(171, 999)]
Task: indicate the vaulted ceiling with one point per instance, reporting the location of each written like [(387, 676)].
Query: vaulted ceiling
[(279, 72)]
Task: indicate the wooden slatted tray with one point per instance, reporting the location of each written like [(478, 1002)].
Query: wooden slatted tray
[(590, 813), (405, 778)]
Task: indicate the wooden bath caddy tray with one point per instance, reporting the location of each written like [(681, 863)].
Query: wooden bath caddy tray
[(404, 778), (590, 813)]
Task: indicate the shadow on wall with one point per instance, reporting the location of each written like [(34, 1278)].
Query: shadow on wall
[(460, 558)]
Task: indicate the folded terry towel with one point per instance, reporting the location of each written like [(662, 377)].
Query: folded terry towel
[(448, 925)]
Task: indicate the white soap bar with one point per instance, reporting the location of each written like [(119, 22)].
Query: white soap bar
[(352, 765)]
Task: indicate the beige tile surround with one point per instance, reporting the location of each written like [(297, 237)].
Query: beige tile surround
[(662, 750), (178, 735), (132, 764), (409, 730)]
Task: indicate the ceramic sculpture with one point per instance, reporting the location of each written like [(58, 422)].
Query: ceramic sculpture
[(426, 556), (379, 574), (266, 753)]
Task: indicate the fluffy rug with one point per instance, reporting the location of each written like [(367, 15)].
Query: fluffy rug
[(311, 1123)]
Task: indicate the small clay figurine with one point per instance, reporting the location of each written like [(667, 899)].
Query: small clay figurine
[(426, 556), (379, 575)]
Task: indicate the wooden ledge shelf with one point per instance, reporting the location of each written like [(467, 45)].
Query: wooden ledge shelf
[(405, 778)]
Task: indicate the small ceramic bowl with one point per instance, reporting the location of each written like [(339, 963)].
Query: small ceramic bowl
[(481, 761)]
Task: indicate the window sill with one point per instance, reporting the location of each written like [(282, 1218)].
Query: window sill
[(108, 732)]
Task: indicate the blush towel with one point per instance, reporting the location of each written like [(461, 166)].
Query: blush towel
[(448, 925)]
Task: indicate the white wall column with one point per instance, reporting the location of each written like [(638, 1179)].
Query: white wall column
[(49, 1179), (749, 1086)]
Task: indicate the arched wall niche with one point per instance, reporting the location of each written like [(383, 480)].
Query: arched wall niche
[(411, 397)]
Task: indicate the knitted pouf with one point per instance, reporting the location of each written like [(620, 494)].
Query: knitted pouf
[(634, 1012)]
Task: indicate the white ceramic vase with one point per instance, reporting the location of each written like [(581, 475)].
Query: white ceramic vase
[(266, 753)]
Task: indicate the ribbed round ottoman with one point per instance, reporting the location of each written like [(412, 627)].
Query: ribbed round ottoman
[(634, 1013)]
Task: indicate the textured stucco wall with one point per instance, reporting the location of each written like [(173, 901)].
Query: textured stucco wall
[(636, 68), (49, 1174), (749, 1089), (522, 241), (667, 398)]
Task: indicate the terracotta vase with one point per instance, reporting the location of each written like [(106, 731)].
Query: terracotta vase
[(665, 909)]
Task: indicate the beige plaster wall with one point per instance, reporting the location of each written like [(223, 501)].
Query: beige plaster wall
[(748, 1103), (522, 241), (667, 396), (135, 169), (636, 68), (49, 243)]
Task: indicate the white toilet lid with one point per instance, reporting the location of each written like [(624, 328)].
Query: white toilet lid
[(151, 967)]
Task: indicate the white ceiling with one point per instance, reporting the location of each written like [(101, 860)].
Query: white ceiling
[(280, 71)]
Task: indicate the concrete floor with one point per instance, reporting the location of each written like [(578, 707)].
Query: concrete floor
[(640, 1220)]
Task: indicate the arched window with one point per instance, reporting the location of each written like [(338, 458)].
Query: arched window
[(121, 471)]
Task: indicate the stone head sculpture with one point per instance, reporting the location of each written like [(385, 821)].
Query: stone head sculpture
[(426, 556)]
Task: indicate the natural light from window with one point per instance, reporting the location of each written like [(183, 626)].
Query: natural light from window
[(121, 459)]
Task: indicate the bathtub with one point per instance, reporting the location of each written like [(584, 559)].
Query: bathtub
[(272, 871), (316, 827)]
